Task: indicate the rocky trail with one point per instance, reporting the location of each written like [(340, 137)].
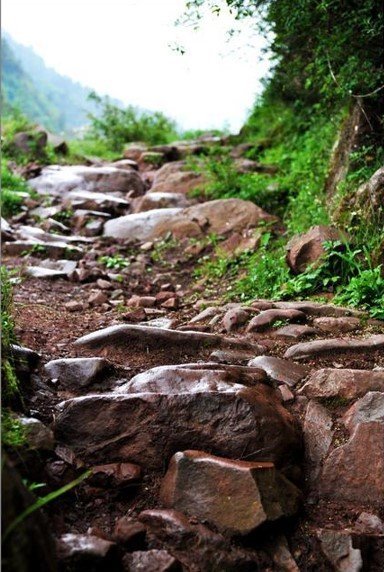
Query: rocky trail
[(219, 436)]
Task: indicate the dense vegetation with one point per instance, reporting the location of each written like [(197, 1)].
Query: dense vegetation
[(327, 59)]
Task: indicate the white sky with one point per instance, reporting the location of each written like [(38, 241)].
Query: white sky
[(121, 48)]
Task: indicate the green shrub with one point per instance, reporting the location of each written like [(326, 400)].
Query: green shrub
[(90, 146), (266, 270), (366, 291), (116, 126)]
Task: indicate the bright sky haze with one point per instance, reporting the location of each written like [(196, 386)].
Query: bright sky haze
[(123, 48)]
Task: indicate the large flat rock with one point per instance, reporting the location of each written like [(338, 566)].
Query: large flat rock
[(341, 345), (193, 378), (140, 226), (58, 180), (148, 428), (221, 216), (156, 337)]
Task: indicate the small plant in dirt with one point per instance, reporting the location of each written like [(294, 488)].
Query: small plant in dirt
[(115, 262), (161, 247), (36, 249), (64, 216)]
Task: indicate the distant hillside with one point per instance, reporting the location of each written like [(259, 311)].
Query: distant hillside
[(52, 100)]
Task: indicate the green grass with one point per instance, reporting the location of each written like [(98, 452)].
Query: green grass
[(12, 431), (90, 147), (12, 187), (10, 383)]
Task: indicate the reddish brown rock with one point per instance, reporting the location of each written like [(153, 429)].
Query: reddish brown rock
[(344, 383), (234, 496), (369, 523), (86, 551), (160, 200), (97, 298), (155, 337), (175, 178), (368, 408), (222, 216), (59, 180), (355, 471), (129, 532), (238, 242), (193, 378), (169, 525), (136, 315), (341, 345), (147, 428), (115, 475), (316, 308), (318, 435), (150, 561), (235, 356), (281, 370), (308, 248), (74, 306), (142, 301), (295, 331), (78, 372), (171, 303), (266, 318), (337, 547), (341, 325), (164, 295), (234, 318), (286, 394), (279, 550), (198, 548), (104, 284), (134, 150)]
